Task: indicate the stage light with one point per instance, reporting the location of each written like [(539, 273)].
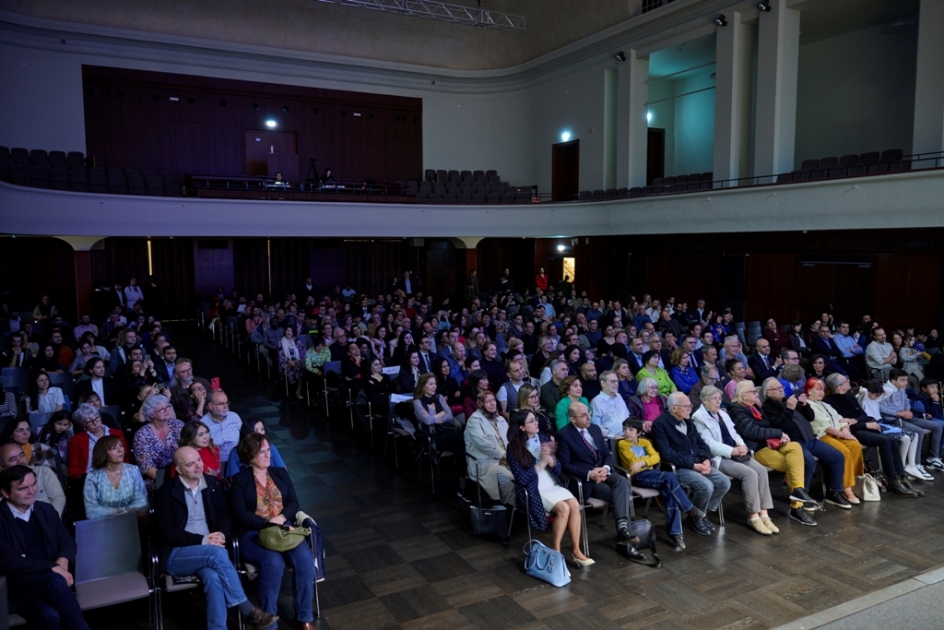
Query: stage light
[(565, 136), (620, 56), (720, 21), (271, 124)]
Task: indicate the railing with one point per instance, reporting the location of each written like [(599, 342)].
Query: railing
[(649, 5)]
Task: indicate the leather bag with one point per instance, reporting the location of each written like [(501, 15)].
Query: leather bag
[(543, 563)]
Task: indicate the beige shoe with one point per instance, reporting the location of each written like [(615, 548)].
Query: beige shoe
[(770, 525), (759, 526)]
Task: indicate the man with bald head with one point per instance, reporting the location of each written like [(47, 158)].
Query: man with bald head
[(191, 526), (585, 455), (679, 443), (48, 488)]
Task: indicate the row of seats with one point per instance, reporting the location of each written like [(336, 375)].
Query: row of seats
[(660, 186), (415, 188), (852, 165), (509, 194), (458, 177), (61, 171)]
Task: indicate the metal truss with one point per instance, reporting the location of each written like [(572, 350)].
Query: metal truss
[(429, 9)]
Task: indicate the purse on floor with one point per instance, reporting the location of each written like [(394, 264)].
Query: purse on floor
[(490, 521), (867, 487), (646, 533), (545, 564)]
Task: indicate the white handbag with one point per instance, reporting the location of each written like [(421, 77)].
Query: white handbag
[(867, 488)]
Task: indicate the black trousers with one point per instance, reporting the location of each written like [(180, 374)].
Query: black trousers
[(45, 601)]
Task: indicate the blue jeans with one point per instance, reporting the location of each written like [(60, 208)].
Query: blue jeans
[(220, 580), (271, 568), (673, 496), (707, 490), (832, 461)]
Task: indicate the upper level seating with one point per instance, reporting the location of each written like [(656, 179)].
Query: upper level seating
[(61, 171), (852, 165)]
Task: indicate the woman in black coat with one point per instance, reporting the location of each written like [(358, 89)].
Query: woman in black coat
[(262, 496)]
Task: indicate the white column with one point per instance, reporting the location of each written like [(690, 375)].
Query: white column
[(777, 60), (632, 129), (732, 100), (929, 81)]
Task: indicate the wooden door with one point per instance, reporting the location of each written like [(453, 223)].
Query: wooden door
[(655, 155), (565, 170), (261, 142)]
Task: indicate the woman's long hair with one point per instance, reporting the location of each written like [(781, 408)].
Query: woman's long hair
[(518, 440), (189, 433)]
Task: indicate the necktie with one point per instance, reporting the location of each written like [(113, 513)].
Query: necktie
[(586, 440)]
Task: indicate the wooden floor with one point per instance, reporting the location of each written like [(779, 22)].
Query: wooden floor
[(397, 558)]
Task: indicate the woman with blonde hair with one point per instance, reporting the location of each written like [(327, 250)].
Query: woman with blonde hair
[(830, 427)]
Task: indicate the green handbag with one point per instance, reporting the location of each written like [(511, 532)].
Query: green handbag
[(280, 538)]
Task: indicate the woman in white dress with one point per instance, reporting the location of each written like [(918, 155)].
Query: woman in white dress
[(532, 461)]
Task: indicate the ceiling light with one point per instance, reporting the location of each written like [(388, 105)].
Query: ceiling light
[(271, 124), (620, 56), (720, 21), (763, 6), (561, 248), (565, 136)]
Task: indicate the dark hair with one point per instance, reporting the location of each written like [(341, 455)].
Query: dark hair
[(6, 437), (249, 427), (873, 387), (33, 389), (926, 381), (250, 446), (517, 443), (730, 363), (47, 430), (100, 452), (91, 363), (189, 433), (13, 474), (896, 373), (646, 356), (633, 423), (476, 377)]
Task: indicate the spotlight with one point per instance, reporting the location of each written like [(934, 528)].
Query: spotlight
[(763, 6), (620, 56), (720, 21), (270, 124), (561, 248), (565, 136)]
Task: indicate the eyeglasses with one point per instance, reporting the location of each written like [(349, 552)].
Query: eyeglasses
[(96, 419), (683, 406), (162, 409), (223, 403)]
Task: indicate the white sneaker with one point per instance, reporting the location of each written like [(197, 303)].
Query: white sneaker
[(927, 476), (935, 463), (913, 472)]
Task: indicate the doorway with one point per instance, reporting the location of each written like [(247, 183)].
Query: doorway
[(260, 143), (565, 170), (570, 266), (655, 155)]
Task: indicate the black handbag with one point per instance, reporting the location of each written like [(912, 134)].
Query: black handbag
[(646, 533), (490, 521)]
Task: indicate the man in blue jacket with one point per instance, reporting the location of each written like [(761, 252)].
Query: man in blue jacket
[(679, 443)]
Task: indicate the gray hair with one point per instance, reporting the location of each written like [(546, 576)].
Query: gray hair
[(84, 413), (674, 398), (833, 381), (762, 392), (150, 405), (645, 383), (708, 391), (705, 369)]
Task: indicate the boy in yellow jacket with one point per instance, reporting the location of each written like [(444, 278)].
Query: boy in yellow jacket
[(638, 456)]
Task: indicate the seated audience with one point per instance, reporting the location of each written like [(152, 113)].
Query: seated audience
[(507, 394), (191, 527), (529, 398), (113, 486), (585, 456), (735, 373), (682, 373), (570, 391), (627, 384), (648, 404), (290, 360), (650, 369), (486, 441), (263, 496), (833, 429), (733, 458), (879, 355), (678, 443), (550, 391), (589, 380), (641, 460), (196, 435), (48, 487), (180, 390), (156, 442), (607, 409), (97, 382), (56, 435), (223, 424), (40, 397), (36, 552), (434, 415), (252, 424), (409, 374), (531, 457), (896, 410), (82, 444)]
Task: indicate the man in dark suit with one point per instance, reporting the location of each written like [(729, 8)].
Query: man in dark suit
[(35, 553), (636, 350), (97, 382), (585, 455), (679, 443), (426, 354), (763, 365), (192, 525), (689, 343)]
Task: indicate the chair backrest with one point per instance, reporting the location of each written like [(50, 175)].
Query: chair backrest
[(391, 371), (306, 342), (62, 380), (39, 420), (114, 411), (332, 367), (106, 547)]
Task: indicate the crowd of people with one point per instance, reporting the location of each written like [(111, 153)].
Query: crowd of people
[(543, 389)]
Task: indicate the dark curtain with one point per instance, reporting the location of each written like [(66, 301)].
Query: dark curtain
[(290, 259), (126, 258), (172, 263), (251, 267), (370, 265), (33, 267)]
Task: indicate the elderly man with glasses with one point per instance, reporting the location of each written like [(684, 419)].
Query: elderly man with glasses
[(180, 391), (224, 424), (678, 442)]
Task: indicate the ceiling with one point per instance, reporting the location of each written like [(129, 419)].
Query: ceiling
[(308, 26)]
